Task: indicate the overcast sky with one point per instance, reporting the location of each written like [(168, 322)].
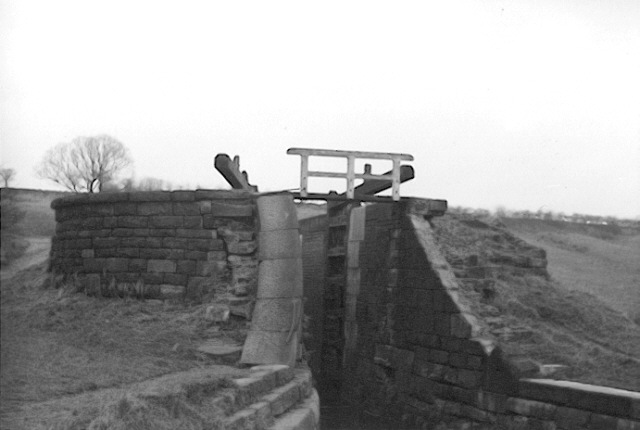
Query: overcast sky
[(524, 104)]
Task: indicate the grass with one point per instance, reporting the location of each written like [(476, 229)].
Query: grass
[(536, 317), (57, 344), (595, 259)]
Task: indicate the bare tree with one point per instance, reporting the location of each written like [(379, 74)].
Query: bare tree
[(7, 175), (86, 163)]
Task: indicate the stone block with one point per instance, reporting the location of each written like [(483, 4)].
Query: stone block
[(210, 268), (458, 360), (125, 209), (88, 253), (196, 234), (191, 221), (175, 279), (123, 232), (205, 207), (275, 314), (571, 418), (127, 252), (116, 264), (186, 208), (438, 356), (152, 278), (162, 232), (105, 242), (217, 256), (531, 408), (155, 208), (161, 266), (166, 221), (150, 196), (442, 324), (175, 242), (183, 196), (195, 255), (242, 248), (460, 327), (451, 344), (624, 424), (469, 378), (163, 254), (205, 245), (186, 267), (137, 265), (231, 210), (94, 265), (602, 422), (492, 402), (279, 244), (132, 221)]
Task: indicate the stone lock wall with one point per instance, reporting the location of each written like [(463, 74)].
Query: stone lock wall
[(179, 244), (419, 359)]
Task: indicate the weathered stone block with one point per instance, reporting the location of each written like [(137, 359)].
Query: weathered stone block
[(460, 327), (219, 209), (88, 253), (152, 277), (186, 267), (183, 196), (186, 208), (602, 422), (175, 242), (624, 424), (162, 232), (438, 356), (164, 266), (166, 221), (105, 242), (469, 378), (131, 221), (205, 245), (217, 256), (191, 221), (175, 279), (242, 248), (123, 232), (492, 402), (137, 265), (150, 196), (210, 268), (125, 209), (570, 418), (195, 255), (93, 265), (196, 234), (205, 207), (116, 264), (155, 208), (531, 408), (162, 254)]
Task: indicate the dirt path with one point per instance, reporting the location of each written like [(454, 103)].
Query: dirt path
[(36, 253)]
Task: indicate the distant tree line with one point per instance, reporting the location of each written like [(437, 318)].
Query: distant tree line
[(501, 212)]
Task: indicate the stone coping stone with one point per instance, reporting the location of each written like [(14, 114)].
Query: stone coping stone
[(603, 400), (149, 196)]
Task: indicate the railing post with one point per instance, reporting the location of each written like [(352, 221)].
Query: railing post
[(304, 174)]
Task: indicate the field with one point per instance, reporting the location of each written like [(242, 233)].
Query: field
[(64, 354), (602, 260)]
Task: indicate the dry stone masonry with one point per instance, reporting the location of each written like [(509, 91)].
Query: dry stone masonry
[(179, 244), (421, 358)]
